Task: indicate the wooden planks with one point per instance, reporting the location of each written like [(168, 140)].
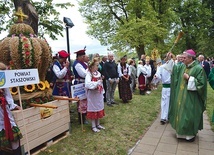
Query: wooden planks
[(40, 130)]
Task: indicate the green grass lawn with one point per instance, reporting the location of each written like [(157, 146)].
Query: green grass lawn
[(210, 104), (125, 124)]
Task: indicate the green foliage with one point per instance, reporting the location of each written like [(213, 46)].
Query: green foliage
[(127, 24), (138, 31), (49, 21), (148, 24), (196, 23)]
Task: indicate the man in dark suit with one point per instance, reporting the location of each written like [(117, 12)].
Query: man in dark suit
[(204, 64), (104, 58)]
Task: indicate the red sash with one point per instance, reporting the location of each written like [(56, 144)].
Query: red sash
[(7, 125)]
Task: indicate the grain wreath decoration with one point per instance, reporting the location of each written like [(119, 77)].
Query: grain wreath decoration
[(22, 49)]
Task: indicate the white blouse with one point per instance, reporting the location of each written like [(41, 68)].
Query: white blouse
[(10, 106)]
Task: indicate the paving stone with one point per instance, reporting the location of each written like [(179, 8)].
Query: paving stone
[(169, 133), (137, 153), (153, 134), (144, 148), (162, 153), (205, 152), (169, 140), (206, 132), (157, 127), (150, 141), (169, 128), (206, 145), (188, 146), (168, 148), (181, 152), (207, 126), (206, 138), (161, 140)]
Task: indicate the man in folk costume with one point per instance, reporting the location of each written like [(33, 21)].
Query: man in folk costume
[(10, 134), (188, 97), (164, 74), (79, 69), (62, 75)]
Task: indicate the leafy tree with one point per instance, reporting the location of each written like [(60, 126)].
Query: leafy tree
[(125, 24), (147, 24), (43, 15), (196, 22), (128, 24)]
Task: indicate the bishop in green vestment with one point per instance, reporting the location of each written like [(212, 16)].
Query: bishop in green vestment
[(188, 97)]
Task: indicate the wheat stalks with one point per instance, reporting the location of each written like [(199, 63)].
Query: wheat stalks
[(37, 52), (4, 50), (14, 52), (180, 35), (45, 59)]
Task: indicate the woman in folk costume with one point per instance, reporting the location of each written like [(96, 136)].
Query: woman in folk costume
[(10, 134), (94, 93), (124, 82), (148, 68), (141, 75)]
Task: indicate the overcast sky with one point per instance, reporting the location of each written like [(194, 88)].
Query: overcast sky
[(77, 34)]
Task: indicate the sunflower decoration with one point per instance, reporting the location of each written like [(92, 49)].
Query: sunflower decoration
[(47, 84), (14, 90), (41, 85), (29, 88)]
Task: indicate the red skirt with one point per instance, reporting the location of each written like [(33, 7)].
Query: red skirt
[(95, 115), (141, 82)]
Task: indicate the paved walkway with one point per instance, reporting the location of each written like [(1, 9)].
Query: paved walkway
[(161, 140)]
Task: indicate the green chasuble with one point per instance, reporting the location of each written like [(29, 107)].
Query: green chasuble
[(187, 106), (211, 78)]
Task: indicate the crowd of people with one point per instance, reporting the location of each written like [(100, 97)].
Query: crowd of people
[(183, 79), (103, 75)]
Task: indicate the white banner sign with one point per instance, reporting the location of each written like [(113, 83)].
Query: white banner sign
[(13, 78), (78, 91)]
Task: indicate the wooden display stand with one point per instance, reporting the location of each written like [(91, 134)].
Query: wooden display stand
[(40, 131)]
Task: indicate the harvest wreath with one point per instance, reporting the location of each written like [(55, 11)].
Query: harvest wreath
[(22, 49)]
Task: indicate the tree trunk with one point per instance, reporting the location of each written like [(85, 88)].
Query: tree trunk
[(30, 11), (140, 50)]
